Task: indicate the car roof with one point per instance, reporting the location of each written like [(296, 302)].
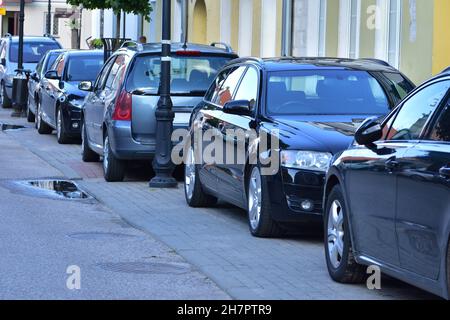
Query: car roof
[(32, 39), (84, 52), (215, 48), (310, 63)]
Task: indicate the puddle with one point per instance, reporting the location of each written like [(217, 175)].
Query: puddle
[(7, 127), (146, 267), (60, 188)]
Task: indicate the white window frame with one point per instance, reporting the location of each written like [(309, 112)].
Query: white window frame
[(346, 25)]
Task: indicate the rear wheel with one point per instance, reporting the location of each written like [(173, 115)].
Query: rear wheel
[(61, 132), (114, 169), (86, 152), (30, 115), (194, 194), (341, 262), (260, 219), (4, 100), (41, 126), (448, 268)]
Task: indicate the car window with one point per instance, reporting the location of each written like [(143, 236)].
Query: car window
[(248, 89), (115, 70), (228, 88), (32, 51), (441, 130), (399, 86), (50, 61), (83, 67), (325, 92), (60, 66), (214, 90), (100, 83), (190, 75), (415, 112), (39, 66), (3, 50)]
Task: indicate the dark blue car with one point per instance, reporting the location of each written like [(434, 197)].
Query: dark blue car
[(312, 107), (387, 199)]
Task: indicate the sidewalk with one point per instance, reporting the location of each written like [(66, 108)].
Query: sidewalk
[(215, 240)]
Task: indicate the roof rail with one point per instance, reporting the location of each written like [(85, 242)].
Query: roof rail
[(246, 59), (446, 70), (48, 35), (378, 61), (130, 43), (223, 44)]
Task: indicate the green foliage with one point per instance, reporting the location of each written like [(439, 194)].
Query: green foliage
[(96, 44), (142, 7)]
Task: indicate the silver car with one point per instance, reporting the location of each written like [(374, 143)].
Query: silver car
[(118, 115)]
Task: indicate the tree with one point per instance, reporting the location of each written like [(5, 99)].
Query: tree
[(142, 7)]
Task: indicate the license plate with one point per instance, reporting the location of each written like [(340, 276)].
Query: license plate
[(182, 118)]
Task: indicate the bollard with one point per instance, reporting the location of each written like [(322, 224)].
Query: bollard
[(20, 95)]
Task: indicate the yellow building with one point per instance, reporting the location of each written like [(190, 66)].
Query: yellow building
[(411, 35)]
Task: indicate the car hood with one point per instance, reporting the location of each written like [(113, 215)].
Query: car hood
[(71, 88), (316, 133)]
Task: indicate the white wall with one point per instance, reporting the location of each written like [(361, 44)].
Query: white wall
[(268, 28), (245, 27)]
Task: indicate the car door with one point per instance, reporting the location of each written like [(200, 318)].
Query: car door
[(50, 93), (94, 106), (423, 192), (235, 131), (211, 122)]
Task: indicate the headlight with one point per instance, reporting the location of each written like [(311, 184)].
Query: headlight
[(306, 160)]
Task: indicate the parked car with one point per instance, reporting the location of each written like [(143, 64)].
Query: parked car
[(119, 113), (387, 199), (315, 104), (34, 88), (34, 48), (61, 99)]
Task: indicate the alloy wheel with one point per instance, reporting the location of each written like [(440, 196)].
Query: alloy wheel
[(58, 124), (254, 198), (189, 173), (335, 233), (106, 154), (2, 98), (39, 116)]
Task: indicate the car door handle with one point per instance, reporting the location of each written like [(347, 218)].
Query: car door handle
[(445, 172), (392, 164)]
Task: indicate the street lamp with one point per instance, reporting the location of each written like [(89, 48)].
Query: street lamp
[(162, 163), (20, 81), (49, 18)]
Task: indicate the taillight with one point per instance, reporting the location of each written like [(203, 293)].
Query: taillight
[(123, 107)]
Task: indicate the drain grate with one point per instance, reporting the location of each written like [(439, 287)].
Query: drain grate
[(62, 188), (6, 127), (100, 236), (145, 267)]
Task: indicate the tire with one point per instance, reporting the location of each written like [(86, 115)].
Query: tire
[(114, 169), (448, 269), (260, 221), (193, 191), (87, 154), (30, 116), (341, 262), (4, 100), (41, 126), (61, 132)]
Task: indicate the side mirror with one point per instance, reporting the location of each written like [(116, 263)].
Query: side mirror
[(52, 75), (238, 107), (85, 86), (369, 132), (3, 62), (34, 76)]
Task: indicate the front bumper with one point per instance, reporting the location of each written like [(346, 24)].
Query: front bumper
[(72, 120), (289, 188)]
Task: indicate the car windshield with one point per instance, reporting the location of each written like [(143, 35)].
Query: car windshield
[(32, 51), (190, 75), (325, 92), (84, 67)]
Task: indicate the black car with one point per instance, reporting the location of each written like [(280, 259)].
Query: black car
[(61, 99), (387, 199), (34, 88), (314, 104)]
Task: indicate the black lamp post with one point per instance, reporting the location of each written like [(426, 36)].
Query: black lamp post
[(49, 18), (20, 81), (162, 164)]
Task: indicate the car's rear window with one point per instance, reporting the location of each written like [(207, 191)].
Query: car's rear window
[(325, 92), (84, 67), (190, 75), (32, 51)]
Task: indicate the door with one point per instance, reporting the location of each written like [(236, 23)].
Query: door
[(423, 196), (213, 123), (235, 131), (50, 92)]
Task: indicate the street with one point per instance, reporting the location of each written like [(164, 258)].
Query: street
[(133, 242)]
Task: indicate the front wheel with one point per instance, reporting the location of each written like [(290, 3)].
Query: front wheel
[(41, 126), (4, 100), (30, 116), (87, 154), (61, 132), (260, 219), (113, 168), (341, 262), (194, 194)]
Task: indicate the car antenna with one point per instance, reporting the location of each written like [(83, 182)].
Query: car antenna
[(185, 25)]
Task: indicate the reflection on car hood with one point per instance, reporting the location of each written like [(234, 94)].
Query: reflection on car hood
[(330, 133), (71, 87)]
